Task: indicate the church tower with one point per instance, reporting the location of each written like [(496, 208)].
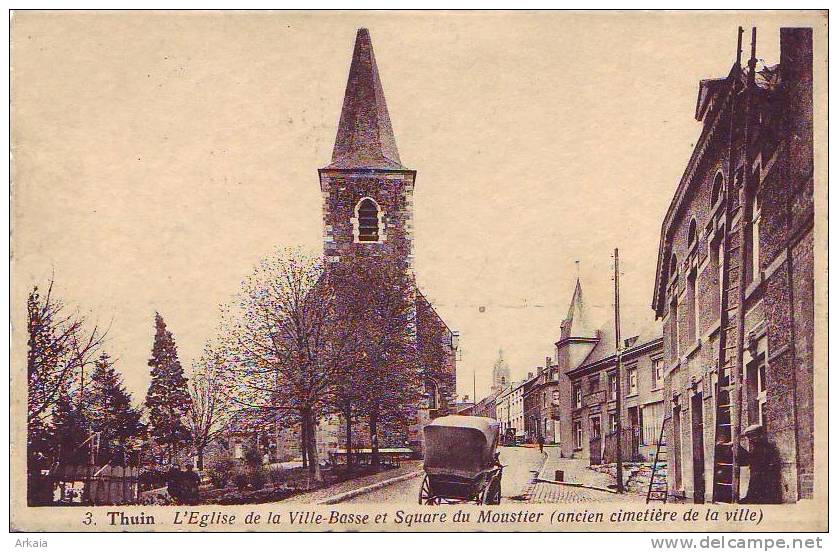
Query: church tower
[(368, 213), (367, 192), (500, 374)]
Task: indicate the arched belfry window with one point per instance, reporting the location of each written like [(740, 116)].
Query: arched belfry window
[(368, 221)]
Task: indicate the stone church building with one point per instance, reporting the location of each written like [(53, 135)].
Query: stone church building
[(368, 211)]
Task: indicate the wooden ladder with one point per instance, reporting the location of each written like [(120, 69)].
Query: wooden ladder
[(658, 486), (725, 468)]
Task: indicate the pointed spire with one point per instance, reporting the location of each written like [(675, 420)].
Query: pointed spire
[(577, 324), (365, 137)]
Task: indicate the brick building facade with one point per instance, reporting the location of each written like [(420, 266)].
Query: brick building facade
[(734, 288), (593, 387)]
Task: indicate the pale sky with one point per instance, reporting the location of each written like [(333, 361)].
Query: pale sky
[(159, 156)]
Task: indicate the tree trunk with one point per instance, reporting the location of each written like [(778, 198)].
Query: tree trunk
[(303, 441), (375, 461), (200, 458), (311, 434)]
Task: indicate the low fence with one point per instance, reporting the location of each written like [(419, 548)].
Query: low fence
[(95, 485)]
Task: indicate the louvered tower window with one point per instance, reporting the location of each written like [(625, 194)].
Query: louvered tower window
[(368, 221)]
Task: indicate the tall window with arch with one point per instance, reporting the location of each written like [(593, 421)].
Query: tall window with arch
[(432, 392), (368, 221), (752, 212), (692, 235), (717, 190), (673, 310)]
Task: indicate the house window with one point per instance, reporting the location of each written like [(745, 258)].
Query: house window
[(657, 373), (752, 242), (718, 187), (555, 397), (596, 428), (612, 387), (612, 423), (692, 306), (753, 218), (368, 221), (755, 381), (577, 434), (577, 395), (652, 421), (719, 254), (631, 376), (692, 235), (593, 384), (673, 327)]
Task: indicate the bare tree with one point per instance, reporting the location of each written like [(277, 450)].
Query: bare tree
[(382, 375), (209, 412), (285, 343), (61, 346)]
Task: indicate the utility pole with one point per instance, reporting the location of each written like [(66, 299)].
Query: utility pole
[(618, 342), (474, 387)]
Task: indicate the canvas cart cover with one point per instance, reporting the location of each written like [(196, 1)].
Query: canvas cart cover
[(462, 446)]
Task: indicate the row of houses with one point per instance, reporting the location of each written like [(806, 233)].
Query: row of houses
[(570, 401), (722, 376)]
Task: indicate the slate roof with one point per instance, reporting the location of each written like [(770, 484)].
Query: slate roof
[(365, 138), (577, 323)]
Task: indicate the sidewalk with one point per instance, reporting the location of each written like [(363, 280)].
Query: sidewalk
[(576, 471), (353, 487), (580, 485)]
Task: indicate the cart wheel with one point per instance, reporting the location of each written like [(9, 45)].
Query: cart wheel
[(425, 492), (492, 494)]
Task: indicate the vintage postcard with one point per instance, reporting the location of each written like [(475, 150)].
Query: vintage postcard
[(418, 271)]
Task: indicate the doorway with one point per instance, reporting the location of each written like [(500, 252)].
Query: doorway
[(676, 447), (696, 406)]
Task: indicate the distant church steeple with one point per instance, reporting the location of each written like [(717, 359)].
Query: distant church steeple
[(500, 373), (365, 136)]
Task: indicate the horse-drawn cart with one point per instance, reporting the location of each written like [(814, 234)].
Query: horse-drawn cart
[(461, 462)]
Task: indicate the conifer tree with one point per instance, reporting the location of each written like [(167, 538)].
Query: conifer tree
[(112, 416), (168, 399), (71, 432)]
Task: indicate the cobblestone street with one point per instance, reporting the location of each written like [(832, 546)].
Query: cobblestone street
[(521, 484)]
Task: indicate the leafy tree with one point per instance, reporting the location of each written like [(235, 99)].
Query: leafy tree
[(112, 416), (168, 399)]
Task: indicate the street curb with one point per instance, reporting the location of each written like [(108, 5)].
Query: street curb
[(335, 499), (543, 467), (542, 477), (580, 485)]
